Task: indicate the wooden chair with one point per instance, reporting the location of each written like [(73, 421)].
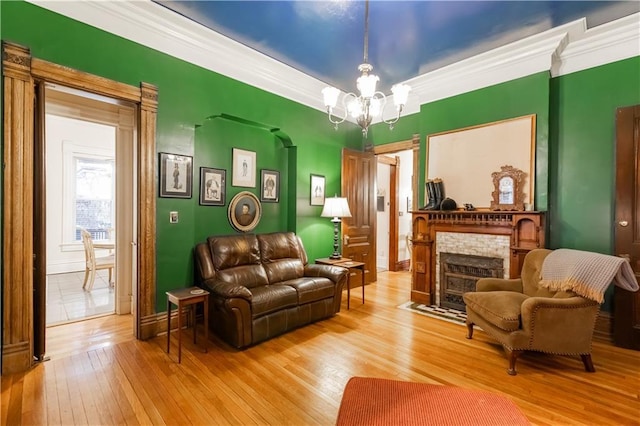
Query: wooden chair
[(94, 263)]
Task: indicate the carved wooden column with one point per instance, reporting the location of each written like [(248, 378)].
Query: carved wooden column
[(146, 302), (17, 213)]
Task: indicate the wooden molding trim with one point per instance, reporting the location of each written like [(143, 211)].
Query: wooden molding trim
[(19, 73), (413, 143), (383, 159), (17, 211), (54, 73), (147, 211)]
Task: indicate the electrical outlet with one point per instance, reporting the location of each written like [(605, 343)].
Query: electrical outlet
[(173, 217)]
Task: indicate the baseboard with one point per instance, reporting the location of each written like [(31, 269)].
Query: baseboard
[(603, 331), (156, 324)]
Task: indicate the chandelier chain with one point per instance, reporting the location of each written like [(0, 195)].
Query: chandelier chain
[(366, 32)]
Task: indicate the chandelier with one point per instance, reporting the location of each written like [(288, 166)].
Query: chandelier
[(370, 103)]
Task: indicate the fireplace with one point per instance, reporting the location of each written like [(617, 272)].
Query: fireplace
[(498, 234), (459, 273)]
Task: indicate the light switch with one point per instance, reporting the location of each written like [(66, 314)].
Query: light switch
[(173, 217)]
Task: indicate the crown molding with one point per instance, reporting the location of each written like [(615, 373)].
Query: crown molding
[(561, 50), (518, 59), (154, 26), (610, 42)]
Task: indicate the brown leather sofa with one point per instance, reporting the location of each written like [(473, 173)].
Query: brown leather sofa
[(263, 285)]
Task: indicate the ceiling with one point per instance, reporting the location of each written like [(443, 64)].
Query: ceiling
[(325, 39)]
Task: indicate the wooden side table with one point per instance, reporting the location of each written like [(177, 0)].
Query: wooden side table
[(185, 297), (346, 262)]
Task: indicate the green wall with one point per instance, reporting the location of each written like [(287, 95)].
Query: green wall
[(582, 166), (583, 156), (574, 144), (188, 94)]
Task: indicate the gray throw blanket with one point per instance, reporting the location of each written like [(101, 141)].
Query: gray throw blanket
[(586, 273)]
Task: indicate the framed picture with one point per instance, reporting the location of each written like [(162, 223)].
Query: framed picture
[(270, 186), (245, 211), (213, 183), (317, 190), (244, 168), (175, 175)]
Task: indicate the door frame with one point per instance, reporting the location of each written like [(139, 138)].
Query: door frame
[(20, 73), (79, 106), (412, 144)]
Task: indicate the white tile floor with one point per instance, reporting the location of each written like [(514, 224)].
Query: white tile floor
[(68, 302)]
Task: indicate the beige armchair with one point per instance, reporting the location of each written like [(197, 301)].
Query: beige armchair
[(94, 263), (523, 316)]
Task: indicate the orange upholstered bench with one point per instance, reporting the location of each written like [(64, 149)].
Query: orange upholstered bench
[(371, 401)]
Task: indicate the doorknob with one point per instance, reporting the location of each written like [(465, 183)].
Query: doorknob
[(623, 223)]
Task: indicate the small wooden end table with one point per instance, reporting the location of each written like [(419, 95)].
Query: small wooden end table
[(185, 297), (346, 262)]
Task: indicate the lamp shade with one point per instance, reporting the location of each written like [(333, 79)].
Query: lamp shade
[(336, 207)]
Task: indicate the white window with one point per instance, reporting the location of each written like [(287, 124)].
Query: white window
[(88, 192), (93, 204)]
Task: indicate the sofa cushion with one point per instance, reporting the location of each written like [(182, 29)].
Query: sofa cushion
[(500, 308), (270, 298), (312, 289), (249, 276), (234, 250), (280, 253)]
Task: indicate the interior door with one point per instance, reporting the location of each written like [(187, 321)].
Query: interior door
[(359, 231), (626, 308)]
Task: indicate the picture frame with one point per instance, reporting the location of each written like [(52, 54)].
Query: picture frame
[(244, 211), (317, 186), (243, 168), (176, 175), (508, 186), (269, 186), (213, 184)]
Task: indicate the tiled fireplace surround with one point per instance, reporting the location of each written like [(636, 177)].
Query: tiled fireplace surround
[(475, 244)]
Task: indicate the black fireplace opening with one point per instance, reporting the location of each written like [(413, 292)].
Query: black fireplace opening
[(459, 274)]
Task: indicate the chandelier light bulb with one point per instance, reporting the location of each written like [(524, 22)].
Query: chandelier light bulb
[(400, 94), (330, 95), (366, 84)]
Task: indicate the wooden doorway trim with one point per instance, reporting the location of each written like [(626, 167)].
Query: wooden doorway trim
[(392, 162), (394, 206), (20, 72)]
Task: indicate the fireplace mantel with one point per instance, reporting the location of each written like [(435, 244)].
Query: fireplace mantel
[(525, 229)]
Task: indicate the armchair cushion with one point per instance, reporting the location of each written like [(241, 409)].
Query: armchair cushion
[(501, 308)]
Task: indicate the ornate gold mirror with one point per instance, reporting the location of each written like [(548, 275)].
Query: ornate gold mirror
[(508, 189)]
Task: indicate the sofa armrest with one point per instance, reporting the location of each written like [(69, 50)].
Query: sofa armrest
[(562, 326), (499, 284), (227, 290), (334, 273)]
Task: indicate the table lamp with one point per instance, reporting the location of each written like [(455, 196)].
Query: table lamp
[(336, 208)]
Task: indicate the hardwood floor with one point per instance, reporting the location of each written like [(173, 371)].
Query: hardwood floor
[(298, 378)]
